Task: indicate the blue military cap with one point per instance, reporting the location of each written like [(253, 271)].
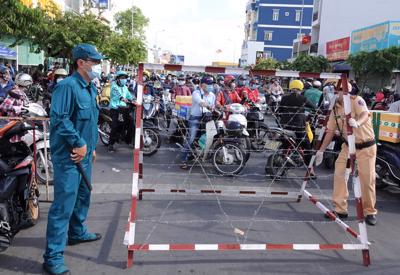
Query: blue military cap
[(86, 51)]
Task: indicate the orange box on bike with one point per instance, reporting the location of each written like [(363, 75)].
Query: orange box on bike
[(386, 126)]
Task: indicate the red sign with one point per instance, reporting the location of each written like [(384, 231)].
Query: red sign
[(338, 49), (306, 40)]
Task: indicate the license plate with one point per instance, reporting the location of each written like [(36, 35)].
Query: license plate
[(272, 144)]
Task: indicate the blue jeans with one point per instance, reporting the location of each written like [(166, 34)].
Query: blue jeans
[(194, 125)]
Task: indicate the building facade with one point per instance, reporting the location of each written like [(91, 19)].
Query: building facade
[(272, 25), (337, 19)]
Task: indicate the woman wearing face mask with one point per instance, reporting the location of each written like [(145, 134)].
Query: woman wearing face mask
[(253, 94), (181, 89), (119, 96)]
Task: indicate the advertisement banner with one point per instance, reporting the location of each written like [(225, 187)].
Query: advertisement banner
[(338, 49), (371, 38), (177, 59), (100, 4)]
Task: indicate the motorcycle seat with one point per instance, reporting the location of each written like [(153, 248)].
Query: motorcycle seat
[(390, 146)]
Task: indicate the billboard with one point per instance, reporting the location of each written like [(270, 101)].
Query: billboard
[(177, 59), (100, 4), (338, 49), (376, 37)]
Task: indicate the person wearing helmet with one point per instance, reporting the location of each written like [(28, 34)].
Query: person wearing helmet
[(16, 97), (228, 95), (314, 94), (119, 97), (6, 83), (242, 87), (59, 75), (365, 152), (253, 93), (203, 97), (181, 89), (293, 117)]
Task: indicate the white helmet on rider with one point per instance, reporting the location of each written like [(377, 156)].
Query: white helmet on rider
[(317, 84), (23, 80)]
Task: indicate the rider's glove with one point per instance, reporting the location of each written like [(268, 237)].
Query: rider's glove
[(319, 156), (353, 123)]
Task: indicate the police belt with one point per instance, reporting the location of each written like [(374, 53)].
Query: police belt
[(367, 144)]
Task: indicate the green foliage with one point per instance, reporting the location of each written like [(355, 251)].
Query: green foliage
[(123, 21), (267, 64), (56, 34), (307, 63)]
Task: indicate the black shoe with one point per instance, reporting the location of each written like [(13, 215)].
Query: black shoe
[(94, 237), (341, 216), (371, 220), (111, 149)]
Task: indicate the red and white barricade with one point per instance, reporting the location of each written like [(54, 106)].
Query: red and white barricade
[(138, 189)]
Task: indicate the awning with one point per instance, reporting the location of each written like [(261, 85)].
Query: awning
[(340, 66), (7, 52)]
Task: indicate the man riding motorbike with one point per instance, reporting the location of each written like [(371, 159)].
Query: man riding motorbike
[(228, 95), (181, 89), (120, 95), (293, 117)]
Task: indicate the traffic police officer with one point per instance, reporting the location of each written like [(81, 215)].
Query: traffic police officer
[(73, 138), (365, 153)]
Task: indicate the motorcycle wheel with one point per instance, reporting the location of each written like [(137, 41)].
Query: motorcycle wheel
[(105, 127), (40, 167), (154, 136), (382, 173), (258, 143), (33, 213), (235, 156), (275, 165)]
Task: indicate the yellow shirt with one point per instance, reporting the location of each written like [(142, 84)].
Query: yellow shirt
[(363, 133)]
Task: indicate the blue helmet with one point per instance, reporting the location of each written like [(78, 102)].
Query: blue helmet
[(120, 73)]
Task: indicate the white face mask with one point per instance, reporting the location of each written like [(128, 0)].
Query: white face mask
[(182, 82), (95, 72)]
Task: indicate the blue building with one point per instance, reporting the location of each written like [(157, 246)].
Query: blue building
[(272, 25)]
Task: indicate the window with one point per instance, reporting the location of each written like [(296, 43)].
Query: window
[(268, 35), (298, 15), (275, 15), (268, 54)]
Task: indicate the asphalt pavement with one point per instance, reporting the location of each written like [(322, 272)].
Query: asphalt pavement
[(210, 219)]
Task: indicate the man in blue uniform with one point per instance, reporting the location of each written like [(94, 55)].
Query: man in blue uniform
[(73, 138)]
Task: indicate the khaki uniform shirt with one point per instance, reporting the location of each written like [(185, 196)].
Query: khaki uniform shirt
[(363, 133)]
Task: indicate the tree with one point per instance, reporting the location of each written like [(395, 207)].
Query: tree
[(123, 21), (376, 63), (314, 64), (267, 64), (19, 21)]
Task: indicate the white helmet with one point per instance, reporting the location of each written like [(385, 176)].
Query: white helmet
[(23, 80), (317, 84)]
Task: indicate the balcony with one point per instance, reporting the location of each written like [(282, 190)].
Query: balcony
[(314, 48)]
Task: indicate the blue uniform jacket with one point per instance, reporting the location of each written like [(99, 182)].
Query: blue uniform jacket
[(4, 91), (73, 118)]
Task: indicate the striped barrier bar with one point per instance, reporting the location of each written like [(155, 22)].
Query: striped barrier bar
[(228, 193), (352, 170), (243, 247)]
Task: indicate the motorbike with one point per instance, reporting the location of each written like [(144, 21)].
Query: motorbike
[(237, 119), (286, 154), (256, 126), (387, 165), (151, 135), (19, 205), (35, 92), (385, 103), (275, 101), (220, 144)]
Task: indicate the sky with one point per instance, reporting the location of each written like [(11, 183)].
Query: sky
[(193, 28)]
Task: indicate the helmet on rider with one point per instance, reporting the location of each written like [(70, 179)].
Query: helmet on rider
[(229, 79), (317, 84), (242, 81), (60, 74), (308, 84), (296, 85), (23, 80), (121, 77)]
